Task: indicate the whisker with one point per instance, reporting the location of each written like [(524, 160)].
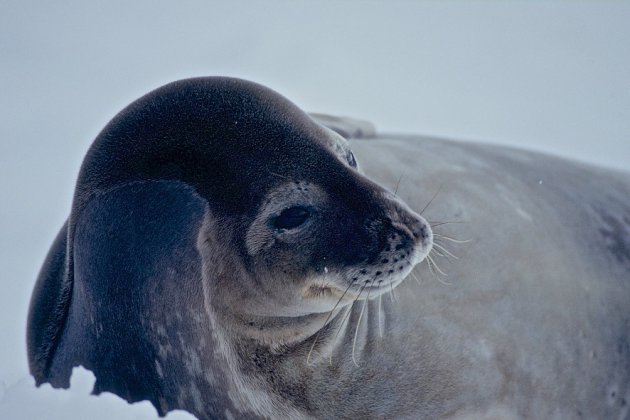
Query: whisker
[(356, 330), (391, 292), (431, 200), (308, 358), (431, 262), (445, 222), (434, 251), (380, 326), (437, 267), (448, 238), (343, 320), (444, 282), (438, 253), (443, 249), (398, 183), (415, 278), (278, 175)]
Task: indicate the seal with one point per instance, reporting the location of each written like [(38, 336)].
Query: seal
[(226, 255)]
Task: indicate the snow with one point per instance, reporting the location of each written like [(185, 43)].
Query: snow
[(551, 76), (23, 400)]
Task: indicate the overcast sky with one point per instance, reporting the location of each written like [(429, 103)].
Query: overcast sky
[(551, 76)]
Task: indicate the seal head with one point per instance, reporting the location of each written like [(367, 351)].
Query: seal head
[(283, 231)]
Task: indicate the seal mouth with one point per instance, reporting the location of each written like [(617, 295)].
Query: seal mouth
[(373, 289), (395, 262), (354, 291), (320, 291)]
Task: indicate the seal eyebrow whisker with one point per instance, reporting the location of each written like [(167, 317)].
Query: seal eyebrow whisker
[(398, 183), (448, 238), (356, 330), (308, 358), (432, 198)]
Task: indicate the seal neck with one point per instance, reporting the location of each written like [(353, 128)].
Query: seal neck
[(279, 331)]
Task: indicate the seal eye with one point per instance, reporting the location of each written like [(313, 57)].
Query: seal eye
[(351, 160), (291, 218)]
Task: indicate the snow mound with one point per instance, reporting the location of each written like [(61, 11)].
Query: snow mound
[(23, 400)]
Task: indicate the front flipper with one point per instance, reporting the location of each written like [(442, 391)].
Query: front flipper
[(48, 308)]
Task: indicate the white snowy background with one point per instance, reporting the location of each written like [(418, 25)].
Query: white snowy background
[(552, 76)]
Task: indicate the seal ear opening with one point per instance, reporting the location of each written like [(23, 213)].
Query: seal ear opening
[(48, 308)]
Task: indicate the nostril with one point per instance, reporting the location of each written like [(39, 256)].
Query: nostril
[(413, 223), (420, 231)]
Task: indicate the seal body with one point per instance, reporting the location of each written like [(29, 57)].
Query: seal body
[(225, 255), (535, 316)]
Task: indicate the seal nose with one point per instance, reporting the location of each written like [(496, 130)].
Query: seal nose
[(417, 227), (409, 220), (420, 230)]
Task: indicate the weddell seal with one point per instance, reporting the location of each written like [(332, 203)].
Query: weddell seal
[(225, 255)]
